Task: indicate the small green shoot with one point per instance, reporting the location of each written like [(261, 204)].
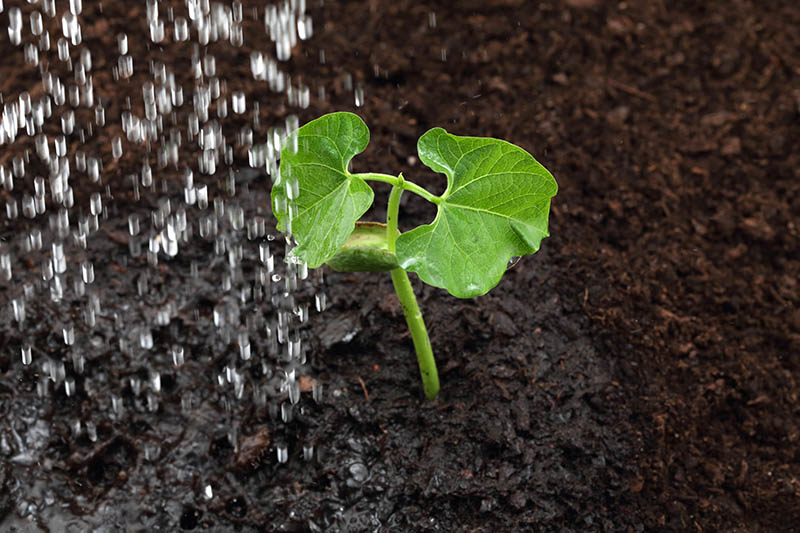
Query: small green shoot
[(495, 207)]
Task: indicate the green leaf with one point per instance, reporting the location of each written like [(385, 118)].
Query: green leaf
[(495, 207), (327, 198)]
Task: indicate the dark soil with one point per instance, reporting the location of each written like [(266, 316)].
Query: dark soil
[(640, 373)]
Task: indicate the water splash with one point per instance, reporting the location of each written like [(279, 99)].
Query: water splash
[(135, 233)]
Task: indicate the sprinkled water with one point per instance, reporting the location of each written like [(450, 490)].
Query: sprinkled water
[(135, 237), (282, 452), (26, 354)]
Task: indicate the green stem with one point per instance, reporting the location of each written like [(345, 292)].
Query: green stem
[(392, 212), (405, 293), (403, 184)]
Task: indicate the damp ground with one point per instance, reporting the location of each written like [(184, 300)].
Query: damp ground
[(638, 374)]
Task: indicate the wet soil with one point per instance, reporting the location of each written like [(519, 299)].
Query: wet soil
[(640, 373)]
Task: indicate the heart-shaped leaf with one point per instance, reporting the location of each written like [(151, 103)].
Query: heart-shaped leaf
[(315, 197), (496, 206)]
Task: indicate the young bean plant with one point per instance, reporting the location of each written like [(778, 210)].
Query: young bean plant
[(495, 207)]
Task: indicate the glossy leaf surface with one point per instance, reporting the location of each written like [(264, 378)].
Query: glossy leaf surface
[(496, 206), (316, 197)]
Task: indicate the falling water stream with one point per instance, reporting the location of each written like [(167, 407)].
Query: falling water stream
[(138, 254)]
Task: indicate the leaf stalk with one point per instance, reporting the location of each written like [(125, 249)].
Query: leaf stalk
[(396, 181)]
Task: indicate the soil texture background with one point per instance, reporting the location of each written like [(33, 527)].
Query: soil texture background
[(639, 373)]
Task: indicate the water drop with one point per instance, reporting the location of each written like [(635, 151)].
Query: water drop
[(116, 405), (87, 272), (69, 335), (36, 23), (320, 301), (78, 362), (238, 101), (151, 451), (236, 214), (287, 412), (155, 381), (152, 402), (293, 388), (157, 31), (68, 122), (177, 355), (93, 169), (28, 206), (15, 25), (75, 429), (146, 339), (95, 204), (31, 54), (71, 29), (244, 345), (69, 386), (47, 270), (304, 96), (91, 431), (44, 41), (122, 43), (42, 387), (308, 451), (181, 29), (18, 307), (18, 166), (304, 27), (282, 451), (63, 55), (202, 196), (125, 66), (316, 392), (26, 354)]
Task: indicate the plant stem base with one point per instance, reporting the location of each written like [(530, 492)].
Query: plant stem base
[(419, 334)]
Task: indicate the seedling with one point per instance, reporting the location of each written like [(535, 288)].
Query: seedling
[(495, 207)]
